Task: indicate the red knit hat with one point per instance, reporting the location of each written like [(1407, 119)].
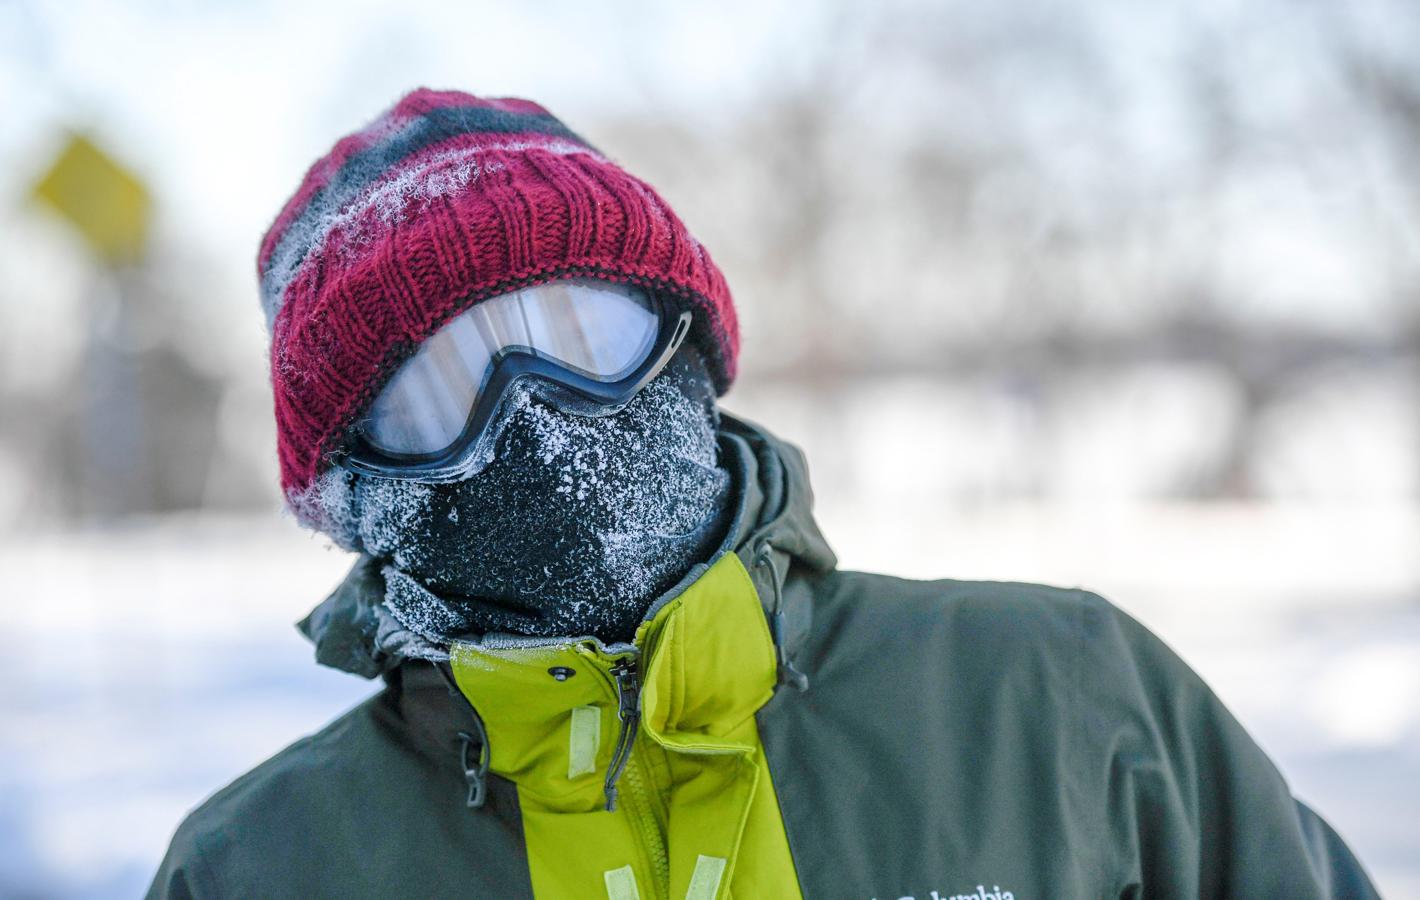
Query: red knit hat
[(445, 200)]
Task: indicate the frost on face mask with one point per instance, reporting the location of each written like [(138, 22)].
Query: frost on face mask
[(574, 528)]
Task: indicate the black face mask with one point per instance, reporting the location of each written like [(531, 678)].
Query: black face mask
[(574, 528)]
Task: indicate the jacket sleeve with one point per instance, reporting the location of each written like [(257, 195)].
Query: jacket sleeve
[(1196, 806)]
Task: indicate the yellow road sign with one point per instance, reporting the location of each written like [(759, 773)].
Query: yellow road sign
[(109, 205)]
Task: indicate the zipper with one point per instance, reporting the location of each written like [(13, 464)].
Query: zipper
[(628, 710), (638, 793), (639, 810), (624, 771)]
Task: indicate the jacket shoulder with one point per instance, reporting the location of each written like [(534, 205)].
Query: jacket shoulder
[(264, 809), (1179, 798), (1021, 614), (1069, 646), (874, 587)]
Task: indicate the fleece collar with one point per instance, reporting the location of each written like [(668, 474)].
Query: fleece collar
[(772, 530)]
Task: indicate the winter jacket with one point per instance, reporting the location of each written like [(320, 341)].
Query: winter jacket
[(778, 728)]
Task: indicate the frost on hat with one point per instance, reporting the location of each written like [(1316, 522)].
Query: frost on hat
[(445, 200)]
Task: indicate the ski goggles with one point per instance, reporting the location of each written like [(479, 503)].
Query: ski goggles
[(585, 345)]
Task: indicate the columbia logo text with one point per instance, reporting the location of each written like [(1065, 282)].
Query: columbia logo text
[(981, 893)]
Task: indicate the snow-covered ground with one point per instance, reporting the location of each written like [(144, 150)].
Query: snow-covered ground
[(147, 666)]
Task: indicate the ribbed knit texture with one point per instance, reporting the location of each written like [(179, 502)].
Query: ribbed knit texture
[(445, 200)]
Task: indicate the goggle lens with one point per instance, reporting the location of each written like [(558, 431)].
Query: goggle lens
[(600, 329)]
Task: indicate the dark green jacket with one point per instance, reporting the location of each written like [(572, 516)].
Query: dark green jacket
[(955, 739)]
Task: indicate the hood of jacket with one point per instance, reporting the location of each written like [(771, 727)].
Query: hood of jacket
[(772, 531)]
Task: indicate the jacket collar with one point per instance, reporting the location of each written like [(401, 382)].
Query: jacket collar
[(555, 711), (772, 532)]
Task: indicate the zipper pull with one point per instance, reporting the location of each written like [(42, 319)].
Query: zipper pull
[(788, 673), (628, 709), (475, 774)]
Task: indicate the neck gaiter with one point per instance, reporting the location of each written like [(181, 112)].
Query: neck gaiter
[(573, 529)]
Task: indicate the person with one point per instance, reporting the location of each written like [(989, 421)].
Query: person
[(618, 658)]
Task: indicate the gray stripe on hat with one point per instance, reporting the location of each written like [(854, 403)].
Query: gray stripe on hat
[(366, 166)]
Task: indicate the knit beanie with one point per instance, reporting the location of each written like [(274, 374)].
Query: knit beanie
[(444, 201)]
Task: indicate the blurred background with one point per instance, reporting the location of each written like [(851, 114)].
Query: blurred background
[(1101, 293)]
